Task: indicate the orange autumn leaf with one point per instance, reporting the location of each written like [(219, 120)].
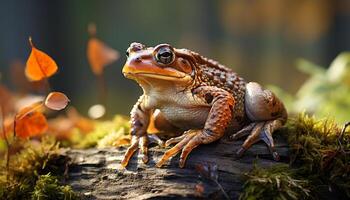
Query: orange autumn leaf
[(35, 107), (56, 101), (39, 65), (32, 124), (98, 53)]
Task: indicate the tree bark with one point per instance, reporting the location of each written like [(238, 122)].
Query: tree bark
[(96, 173)]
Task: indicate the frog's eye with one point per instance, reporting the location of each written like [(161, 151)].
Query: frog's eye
[(127, 53), (165, 55)]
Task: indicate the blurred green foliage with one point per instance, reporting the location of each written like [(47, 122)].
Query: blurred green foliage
[(326, 93), (48, 187)]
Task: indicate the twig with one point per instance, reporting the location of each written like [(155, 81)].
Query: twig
[(222, 189), (341, 136)]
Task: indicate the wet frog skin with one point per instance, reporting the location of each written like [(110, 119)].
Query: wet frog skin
[(198, 98)]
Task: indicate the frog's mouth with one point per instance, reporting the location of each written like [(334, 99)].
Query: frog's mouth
[(166, 73)]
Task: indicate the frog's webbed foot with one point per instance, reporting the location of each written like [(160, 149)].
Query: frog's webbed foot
[(186, 142), (142, 143), (257, 131)]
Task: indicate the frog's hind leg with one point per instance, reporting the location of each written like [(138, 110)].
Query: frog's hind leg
[(266, 113), (261, 131)]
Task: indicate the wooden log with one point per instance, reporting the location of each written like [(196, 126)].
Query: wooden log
[(96, 173)]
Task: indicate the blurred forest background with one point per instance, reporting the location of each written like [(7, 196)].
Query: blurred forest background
[(261, 40)]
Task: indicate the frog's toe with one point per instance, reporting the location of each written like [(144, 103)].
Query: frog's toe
[(144, 148), (243, 132), (130, 151), (174, 140), (153, 138), (261, 131), (193, 143), (141, 143), (182, 142)]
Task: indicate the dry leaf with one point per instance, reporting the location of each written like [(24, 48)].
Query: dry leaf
[(98, 53), (31, 124), (39, 65), (34, 107), (56, 101)]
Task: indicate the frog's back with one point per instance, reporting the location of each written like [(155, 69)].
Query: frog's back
[(212, 73)]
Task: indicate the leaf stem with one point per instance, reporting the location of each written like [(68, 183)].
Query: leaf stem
[(340, 137), (30, 41)]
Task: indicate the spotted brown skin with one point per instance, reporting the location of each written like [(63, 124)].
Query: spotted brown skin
[(198, 99)]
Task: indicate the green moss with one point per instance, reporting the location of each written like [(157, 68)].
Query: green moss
[(47, 187), (316, 158), (29, 173), (276, 182)]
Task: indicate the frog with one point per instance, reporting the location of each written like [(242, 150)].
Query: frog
[(200, 100)]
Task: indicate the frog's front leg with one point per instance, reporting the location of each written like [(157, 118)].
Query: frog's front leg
[(219, 117), (140, 117), (266, 113)]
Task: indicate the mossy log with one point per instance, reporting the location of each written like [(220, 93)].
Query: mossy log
[(96, 173)]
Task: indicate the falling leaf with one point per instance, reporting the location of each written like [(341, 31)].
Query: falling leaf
[(39, 65), (31, 124), (98, 53), (56, 101)]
